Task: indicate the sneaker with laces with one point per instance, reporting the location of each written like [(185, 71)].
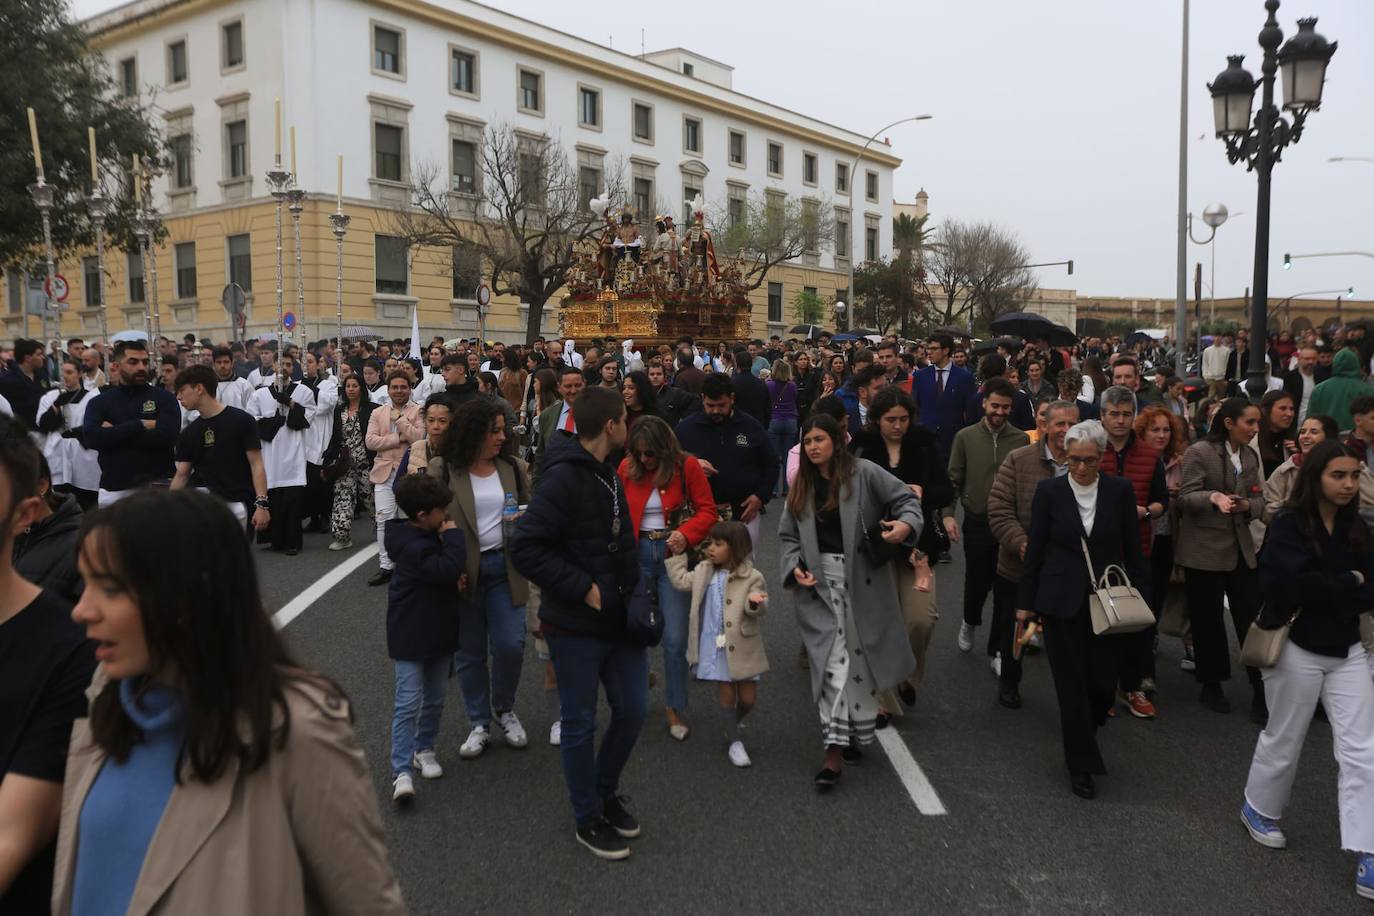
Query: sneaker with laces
[(556, 733), (511, 729), (1139, 705), (402, 788), (477, 742), (427, 764), (615, 813), (965, 637), (738, 755), (1364, 876), (341, 545), (601, 838), (1263, 830)]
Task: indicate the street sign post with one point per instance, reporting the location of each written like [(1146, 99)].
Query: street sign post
[(56, 287), (235, 303), (483, 300)]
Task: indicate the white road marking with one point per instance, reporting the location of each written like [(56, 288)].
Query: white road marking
[(317, 589), (910, 773)]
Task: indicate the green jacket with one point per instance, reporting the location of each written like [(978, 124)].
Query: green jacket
[(974, 459), (1332, 397)]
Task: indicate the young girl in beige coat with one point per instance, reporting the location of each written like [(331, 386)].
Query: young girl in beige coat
[(724, 640)]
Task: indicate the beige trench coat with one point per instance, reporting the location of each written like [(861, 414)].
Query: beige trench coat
[(743, 637), (301, 835)]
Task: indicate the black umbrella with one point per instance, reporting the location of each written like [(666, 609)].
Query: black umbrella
[(988, 346), (808, 331), (1024, 324), (1061, 336), (862, 332)]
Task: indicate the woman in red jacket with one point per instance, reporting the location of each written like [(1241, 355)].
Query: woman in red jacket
[(662, 485)]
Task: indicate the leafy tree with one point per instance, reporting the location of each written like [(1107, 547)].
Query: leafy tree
[(770, 229), (46, 64), (980, 269), (888, 293), (807, 307), (526, 220), (910, 236)]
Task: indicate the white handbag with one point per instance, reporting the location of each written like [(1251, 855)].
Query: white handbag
[(1115, 604)]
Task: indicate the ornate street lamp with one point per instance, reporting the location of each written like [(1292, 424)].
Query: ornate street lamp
[(1303, 61)]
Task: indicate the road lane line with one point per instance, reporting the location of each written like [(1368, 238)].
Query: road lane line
[(317, 589), (910, 773)]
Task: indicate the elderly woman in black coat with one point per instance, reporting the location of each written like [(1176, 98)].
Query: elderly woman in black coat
[(1080, 523)]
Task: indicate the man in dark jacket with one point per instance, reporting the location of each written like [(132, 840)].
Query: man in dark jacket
[(575, 542), (751, 394), (689, 377), (132, 426), (673, 404), (24, 383), (740, 460), (45, 552)]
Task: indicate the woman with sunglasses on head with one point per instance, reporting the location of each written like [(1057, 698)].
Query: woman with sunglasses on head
[(671, 510), (213, 774)]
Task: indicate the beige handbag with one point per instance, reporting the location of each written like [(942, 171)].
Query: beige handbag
[(1115, 604), (1262, 648)]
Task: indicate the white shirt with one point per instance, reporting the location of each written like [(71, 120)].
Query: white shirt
[(234, 393), (488, 499), (653, 519), (261, 378), (1308, 383), (1235, 458), (1087, 502), (1214, 362)]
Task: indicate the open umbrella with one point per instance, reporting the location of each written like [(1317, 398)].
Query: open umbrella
[(1023, 324), (1061, 336), (808, 331), (360, 332), (988, 346), (862, 332), (845, 335)]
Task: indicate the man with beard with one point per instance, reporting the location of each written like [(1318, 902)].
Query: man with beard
[(133, 426), (230, 389), (734, 450), (281, 410)]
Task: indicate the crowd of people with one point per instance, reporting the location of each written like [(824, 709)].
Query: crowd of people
[(604, 503)]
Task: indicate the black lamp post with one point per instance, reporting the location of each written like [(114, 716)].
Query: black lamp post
[(1303, 61)]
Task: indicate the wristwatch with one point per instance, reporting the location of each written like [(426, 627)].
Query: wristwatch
[(261, 503)]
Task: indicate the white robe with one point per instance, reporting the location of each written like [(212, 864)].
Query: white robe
[(284, 456), (234, 393), (70, 461), (321, 421)]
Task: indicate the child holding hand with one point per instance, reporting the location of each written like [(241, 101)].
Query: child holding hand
[(724, 639)]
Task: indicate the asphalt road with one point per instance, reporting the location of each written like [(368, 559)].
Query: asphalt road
[(1163, 836)]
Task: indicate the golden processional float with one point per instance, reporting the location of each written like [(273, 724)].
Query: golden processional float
[(657, 292)]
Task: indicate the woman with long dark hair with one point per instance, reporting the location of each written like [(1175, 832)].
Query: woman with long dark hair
[(510, 382), (1095, 381), (843, 520), (640, 398), (1281, 484), (1317, 573), (1278, 431), (1218, 497), (485, 481), (350, 459), (214, 774), (782, 425)]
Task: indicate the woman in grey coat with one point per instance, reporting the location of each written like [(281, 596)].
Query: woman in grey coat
[(838, 512)]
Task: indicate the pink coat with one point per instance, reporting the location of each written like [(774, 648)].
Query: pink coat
[(391, 447)]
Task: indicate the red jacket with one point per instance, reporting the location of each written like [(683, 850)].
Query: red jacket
[(1140, 470), (697, 487)]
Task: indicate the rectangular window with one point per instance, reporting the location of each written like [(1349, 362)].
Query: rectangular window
[(775, 302), (232, 38), (736, 148), (467, 271), (388, 143), (241, 261), (870, 244), (464, 167), (135, 272), (462, 72), (391, 265), (842, 237), (811, 226), (689, 194), (644, 197), (531, 179), (128, 77), (871, 185), (588, 107), (182, 174), (588, 184), (808, 168), (644, 122), (531, 91), (688, 69), (90, 275), (184, 255), (691, 135), (176, 63), (236, 138), (775, 159), (841, 178), (386, 50), (734, 212)]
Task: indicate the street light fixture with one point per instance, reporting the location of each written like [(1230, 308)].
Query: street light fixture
[(1350, 159), (1303, 61), (1288, 259)]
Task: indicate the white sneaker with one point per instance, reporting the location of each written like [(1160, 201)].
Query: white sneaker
[(965, 637), (427, 764), (738, 755), (997, 664), (402, 788), (511, 729), (556, 733), (341, 545), (477, 742)]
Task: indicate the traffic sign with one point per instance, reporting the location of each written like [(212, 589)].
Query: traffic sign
[(483, 295), (233, 299), (56, 287), (289, 320)]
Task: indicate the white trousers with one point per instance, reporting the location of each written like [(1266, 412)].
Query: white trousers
[(384, 506), (1292, 688)]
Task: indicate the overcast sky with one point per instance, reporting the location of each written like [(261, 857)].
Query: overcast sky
[(1057, 119)]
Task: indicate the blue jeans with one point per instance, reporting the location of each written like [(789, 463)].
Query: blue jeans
[(676, 607), (490, 622), (582, 663), (420, 688), (783, 435)]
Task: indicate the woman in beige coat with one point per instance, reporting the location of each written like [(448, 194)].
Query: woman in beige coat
[(212, 775)]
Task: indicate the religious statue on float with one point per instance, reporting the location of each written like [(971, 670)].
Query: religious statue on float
[(699, 251), (664, 253)]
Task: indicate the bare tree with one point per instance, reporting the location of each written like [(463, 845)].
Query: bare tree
[(525, 219), (769, 229), (980, 269)]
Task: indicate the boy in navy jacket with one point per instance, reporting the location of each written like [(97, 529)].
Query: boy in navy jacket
[(421, 623)]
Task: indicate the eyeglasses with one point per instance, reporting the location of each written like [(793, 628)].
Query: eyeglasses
[(646, 454), (1086, 462)]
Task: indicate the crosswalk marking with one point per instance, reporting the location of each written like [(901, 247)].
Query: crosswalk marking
[(317, 589), (910, 773)]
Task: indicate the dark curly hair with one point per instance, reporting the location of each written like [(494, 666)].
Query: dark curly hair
[(468, 430)]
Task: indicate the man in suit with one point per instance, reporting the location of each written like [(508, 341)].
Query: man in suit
[(556, 424), (1300, 381), (941, 391)]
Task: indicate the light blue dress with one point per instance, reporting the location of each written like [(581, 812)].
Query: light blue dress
[(712, 664)]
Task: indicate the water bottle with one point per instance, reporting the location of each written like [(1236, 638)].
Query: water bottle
[(510, 512)]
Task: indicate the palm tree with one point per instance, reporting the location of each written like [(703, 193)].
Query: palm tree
[(909, 235)]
